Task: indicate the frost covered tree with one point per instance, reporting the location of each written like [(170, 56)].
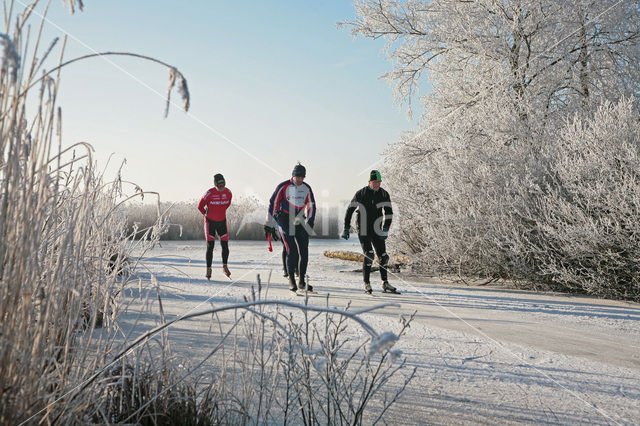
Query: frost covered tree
[(507, 77), (540, 59)]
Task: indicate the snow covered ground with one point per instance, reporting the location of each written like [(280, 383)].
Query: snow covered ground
[(484, 355)]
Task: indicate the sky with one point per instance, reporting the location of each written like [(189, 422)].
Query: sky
[(272, 83)]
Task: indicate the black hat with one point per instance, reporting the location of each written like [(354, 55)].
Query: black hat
[(299, 171), (375, 175), (218, 179)]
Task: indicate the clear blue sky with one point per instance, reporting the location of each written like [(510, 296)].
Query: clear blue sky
[(272, 82)]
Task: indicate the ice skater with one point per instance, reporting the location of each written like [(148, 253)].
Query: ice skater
[(292, 208), (213, 205), (373, 217)]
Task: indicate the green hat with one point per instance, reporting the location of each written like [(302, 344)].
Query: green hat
[(375, 175)]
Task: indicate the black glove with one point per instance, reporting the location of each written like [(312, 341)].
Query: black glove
[(345, 233), (270, 230)]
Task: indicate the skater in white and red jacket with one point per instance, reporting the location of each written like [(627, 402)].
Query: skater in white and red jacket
[(213, 205), (292, 209)]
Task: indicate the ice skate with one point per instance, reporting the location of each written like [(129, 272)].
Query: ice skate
[(292, 284), (367, 288), (388, 288), (226, 271), (208, 275), (302, 286)]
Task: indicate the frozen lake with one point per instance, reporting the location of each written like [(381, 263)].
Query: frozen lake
[(484, 354)]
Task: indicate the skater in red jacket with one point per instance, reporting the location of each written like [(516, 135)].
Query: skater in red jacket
[(213, 205)]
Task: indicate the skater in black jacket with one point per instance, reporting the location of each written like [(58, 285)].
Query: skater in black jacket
[(373, 220)]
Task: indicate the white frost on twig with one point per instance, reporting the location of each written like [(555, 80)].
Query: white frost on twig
[(395, 355), (319, 363), (382, 342)]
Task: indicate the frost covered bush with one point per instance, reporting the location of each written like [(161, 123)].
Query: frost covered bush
[(582, 222), (562, 217), (490, 184), (184, 221), (271, 362), (245, 220)]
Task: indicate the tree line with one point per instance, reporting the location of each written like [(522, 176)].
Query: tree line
[(245, 220)]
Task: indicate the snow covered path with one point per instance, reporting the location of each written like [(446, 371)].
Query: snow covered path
[(484, 355)]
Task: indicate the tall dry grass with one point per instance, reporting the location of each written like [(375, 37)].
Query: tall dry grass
[(62, 239)]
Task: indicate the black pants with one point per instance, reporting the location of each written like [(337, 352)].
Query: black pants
[(297, 246), (284, 259), (370, 243), (225, 252), (213, 227)]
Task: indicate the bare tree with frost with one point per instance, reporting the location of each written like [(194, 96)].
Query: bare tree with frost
[(507, 78)]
